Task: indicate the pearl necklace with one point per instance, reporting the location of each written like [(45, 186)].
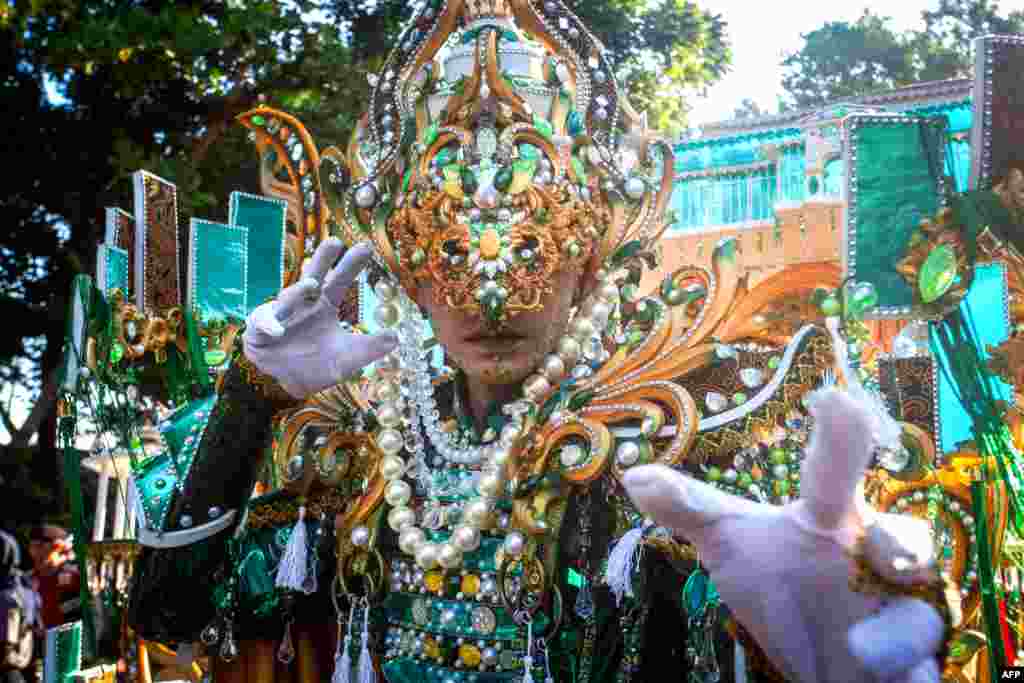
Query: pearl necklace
[(494, 459)]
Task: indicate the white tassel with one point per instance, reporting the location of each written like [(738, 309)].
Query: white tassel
[(622, 562), (367, 673), (528, 659), (342, 659), (291, 573), (547, 665)]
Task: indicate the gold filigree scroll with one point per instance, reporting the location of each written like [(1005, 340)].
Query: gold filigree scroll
[(645, 383), (338, 454), (158, 286), (290, 170)]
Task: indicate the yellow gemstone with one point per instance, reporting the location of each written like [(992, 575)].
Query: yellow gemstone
[(490, 245), (431, 648), (470, 655), (470, 585), (434, 581)]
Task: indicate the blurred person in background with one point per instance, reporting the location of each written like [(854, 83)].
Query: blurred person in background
[(54, 574), (19, 614)]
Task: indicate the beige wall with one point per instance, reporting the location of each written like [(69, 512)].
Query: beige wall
[(811, 233)]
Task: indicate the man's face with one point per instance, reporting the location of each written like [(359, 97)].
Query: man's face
[(510, 352)]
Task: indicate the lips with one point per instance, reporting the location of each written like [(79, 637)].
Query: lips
[(490, 341)]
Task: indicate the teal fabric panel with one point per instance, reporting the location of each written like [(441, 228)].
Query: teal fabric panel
[(217, 270), (958, 162), (985, 309), (265, 220), (113, 270), (894, 190)]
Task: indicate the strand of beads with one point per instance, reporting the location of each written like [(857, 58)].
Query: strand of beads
[(494, 459)]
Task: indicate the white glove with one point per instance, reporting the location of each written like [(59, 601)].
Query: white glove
[(297, 338), (784, 571)]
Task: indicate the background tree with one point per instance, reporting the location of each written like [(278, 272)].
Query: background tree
[(96, 89), (843, 59), (748, 109)]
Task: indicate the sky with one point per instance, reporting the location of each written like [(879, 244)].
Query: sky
[(761, 32)]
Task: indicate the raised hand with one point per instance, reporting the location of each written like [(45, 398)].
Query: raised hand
[(784, 572), (297, 338)]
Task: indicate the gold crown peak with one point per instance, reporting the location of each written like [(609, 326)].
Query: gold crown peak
[(480, 9)]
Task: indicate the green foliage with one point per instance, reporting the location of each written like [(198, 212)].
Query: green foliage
[(97, 89), (841, 60)]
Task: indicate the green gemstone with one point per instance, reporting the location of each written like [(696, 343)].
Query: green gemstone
[(773, 362), (830, 306), (116, 353), (444, 157), (470, 184), (543, 126), (258, 120), (814, 186), (745, 480), (863, 296), (527, 151), (160, 484), (418, 257), (781, 488), (938, 273), (215, 357), (579, 170), (739, 398), (430, 135), (714, 474), (777, 456), (503, 179)]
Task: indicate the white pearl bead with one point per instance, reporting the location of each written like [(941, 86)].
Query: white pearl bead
[(582, 329), (515, 544), (390, 441), (388, 415), (401, 517), (410, 539), (490, 484), (398, 493), (467, 538), (599, 314), (427, 556), (569, 350), (477, 512), (385, 291), (501, 458), (535, 387), (608, 292), (386, 315), (392, 467), (554, 368), (360, 537), (509, 434), (387, 391), (449, 556)]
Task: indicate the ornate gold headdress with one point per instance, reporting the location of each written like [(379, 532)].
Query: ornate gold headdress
[(493, 155)]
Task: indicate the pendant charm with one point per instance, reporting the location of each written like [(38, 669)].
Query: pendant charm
[(584, 602)]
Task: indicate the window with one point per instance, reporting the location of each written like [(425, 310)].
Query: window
[(792, 168), (835, 176), (727, 199)]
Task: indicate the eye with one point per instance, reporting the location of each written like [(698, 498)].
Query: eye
[(454, 253), (528, 250)]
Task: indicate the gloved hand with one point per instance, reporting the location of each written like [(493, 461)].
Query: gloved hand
[(784, 571), (297, 338)]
